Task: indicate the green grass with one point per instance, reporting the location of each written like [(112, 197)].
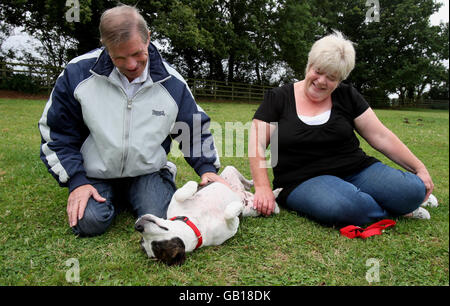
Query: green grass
[(36, 242)]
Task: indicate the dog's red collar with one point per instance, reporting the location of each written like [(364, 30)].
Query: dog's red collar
[(191, 225)]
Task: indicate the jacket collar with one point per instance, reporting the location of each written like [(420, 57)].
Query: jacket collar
[(156, 68)]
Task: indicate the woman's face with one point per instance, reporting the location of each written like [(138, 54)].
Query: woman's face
[(319, 85)]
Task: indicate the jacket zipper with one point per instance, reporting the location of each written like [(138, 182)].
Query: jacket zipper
[(128, 122), (126, 134), (126, 140), (127, 125)]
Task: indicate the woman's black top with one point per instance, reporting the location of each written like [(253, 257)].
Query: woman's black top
[(306, 151)]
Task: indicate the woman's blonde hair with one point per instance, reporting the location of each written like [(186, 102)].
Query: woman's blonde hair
[(119, 23), (333, 54)]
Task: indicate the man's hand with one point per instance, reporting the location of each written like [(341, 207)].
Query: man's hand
[(77, 202), (212, 177)]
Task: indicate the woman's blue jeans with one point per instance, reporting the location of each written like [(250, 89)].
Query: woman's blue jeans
[(376, 192), (146, 194)]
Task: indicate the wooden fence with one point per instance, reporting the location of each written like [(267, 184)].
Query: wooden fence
[(42, 78), (376, 102), (219, 90)]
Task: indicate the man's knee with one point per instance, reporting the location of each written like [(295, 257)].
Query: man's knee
[(96, 219), (151, 194)]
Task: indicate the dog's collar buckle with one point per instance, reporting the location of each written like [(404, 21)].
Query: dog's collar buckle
[(191, 225)]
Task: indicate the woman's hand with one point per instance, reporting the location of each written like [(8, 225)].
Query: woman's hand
[(423, 174), (264, 201), (385, 141)]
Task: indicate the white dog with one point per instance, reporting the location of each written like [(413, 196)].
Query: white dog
[(198, 217)]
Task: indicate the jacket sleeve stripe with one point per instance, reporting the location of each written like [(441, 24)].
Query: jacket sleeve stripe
[(175, 73), (53, 161)]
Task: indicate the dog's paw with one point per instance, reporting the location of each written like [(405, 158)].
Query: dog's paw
[(277, 209), (233, 210), (249, 211), (186, 191)]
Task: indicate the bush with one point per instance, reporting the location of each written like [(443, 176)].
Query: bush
[(22, 83)]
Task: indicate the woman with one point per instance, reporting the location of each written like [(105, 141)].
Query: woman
[(323, 172)]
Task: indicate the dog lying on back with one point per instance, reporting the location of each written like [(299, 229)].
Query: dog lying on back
[(198, 217)]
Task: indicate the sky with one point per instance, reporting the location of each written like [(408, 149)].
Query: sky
[(442, 14)]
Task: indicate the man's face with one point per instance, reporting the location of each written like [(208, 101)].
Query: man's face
[(130, 57)]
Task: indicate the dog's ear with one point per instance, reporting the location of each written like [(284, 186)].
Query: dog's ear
[(171, 252)]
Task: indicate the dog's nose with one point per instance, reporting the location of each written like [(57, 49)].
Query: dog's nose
[(139, 227)]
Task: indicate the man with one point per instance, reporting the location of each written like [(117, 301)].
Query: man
[(108, 126)]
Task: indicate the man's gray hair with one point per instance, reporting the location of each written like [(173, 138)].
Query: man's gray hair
[(333, 54), (119, 23)]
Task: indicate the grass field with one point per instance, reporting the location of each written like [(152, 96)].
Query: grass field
[(36, 242)]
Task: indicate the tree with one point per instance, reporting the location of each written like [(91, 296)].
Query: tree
[(402, 53), (4, 31), (190, 37), (252, 46), (253, 40), (296, 29), (44, 19), (219, 39), (439, 90)]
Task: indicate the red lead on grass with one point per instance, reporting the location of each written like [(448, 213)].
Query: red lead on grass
[(377, 228)]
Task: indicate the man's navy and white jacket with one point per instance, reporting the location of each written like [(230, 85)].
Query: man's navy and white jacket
[(91, 129)]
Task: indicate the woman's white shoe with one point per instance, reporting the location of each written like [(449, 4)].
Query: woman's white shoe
[(419, 213), (430, 202)]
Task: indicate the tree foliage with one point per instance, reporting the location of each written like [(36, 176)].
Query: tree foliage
[(263, 41)]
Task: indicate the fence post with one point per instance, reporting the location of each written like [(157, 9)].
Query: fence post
[(232, 91), (3, 65), (215, 90)]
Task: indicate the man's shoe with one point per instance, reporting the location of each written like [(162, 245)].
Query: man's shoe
[(172, 169)]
